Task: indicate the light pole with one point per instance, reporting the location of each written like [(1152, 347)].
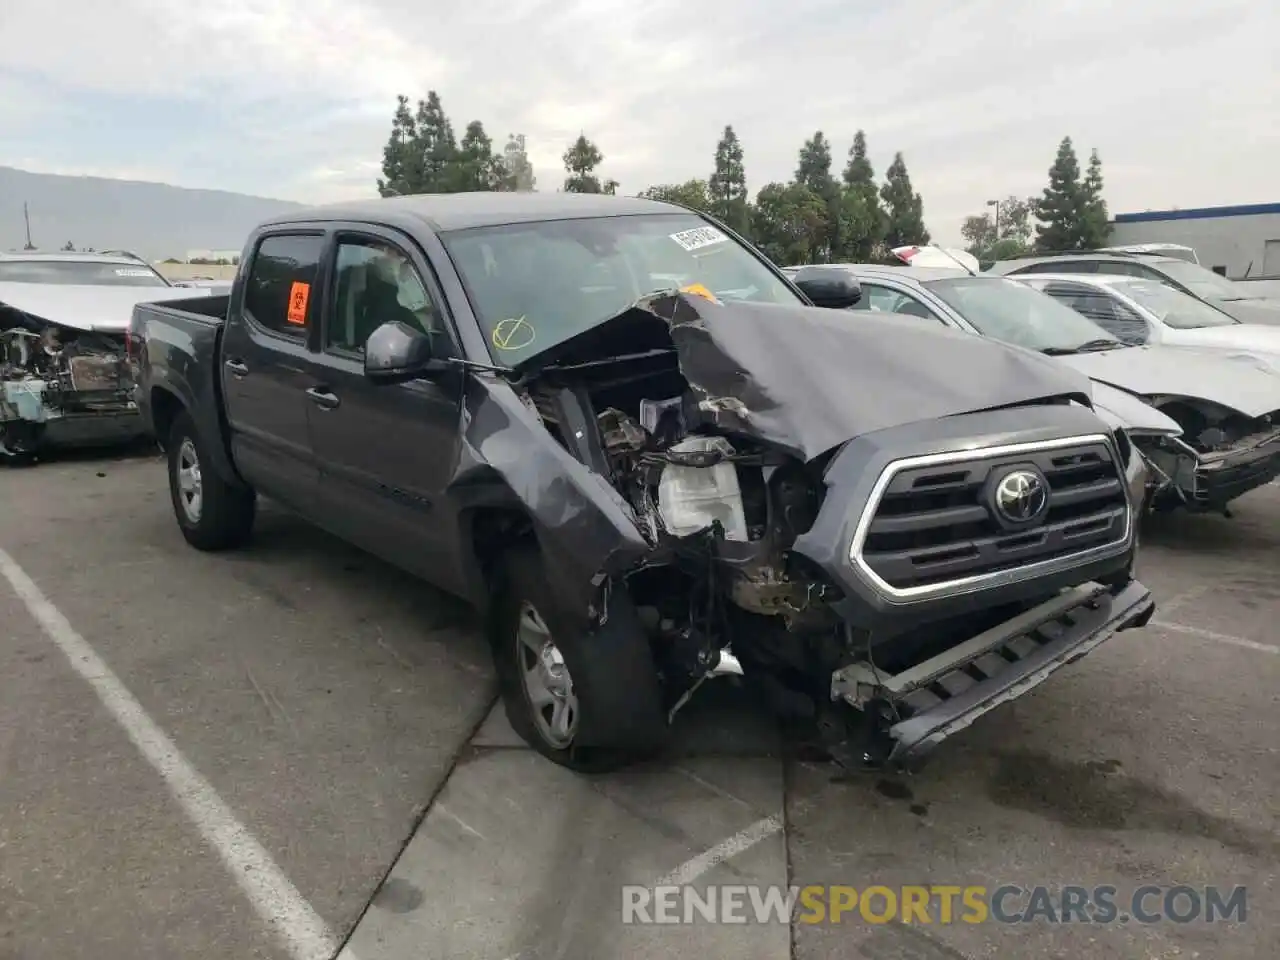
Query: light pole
[(996, 204)]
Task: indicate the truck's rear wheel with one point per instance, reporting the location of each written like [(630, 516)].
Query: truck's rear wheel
[(588, 701), (212, 514)]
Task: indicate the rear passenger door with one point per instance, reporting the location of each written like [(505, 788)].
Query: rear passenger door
[(386, 452), (265, 362)]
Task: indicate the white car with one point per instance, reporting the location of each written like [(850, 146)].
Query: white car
[(1142, 312)]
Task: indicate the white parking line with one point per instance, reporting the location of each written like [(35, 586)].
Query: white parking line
[(695, 867), (278, 903), (1218, 637)]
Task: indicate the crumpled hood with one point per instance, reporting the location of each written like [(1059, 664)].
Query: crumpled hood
[(806, 380), (105, 309), (1245, 385)]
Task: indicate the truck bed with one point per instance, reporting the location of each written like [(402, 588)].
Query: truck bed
[(174, 347)]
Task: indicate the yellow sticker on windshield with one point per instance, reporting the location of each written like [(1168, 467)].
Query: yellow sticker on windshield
[(698, 290), (514, 333)]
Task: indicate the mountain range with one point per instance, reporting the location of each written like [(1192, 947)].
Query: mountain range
[(155, 220)]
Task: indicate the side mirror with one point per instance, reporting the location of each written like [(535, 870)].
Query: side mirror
[(829, 287), (396, 353)]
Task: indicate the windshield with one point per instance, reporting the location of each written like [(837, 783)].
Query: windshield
[(1202, 282), (1173, 307), (533, 285), (1015, 313), (88, 272)]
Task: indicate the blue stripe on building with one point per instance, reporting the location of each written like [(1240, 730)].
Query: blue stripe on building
[(1199, 213)]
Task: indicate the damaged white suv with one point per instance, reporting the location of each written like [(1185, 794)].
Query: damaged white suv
[(65, 378)]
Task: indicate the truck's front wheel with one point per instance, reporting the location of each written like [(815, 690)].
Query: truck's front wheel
[(590, 701), (212, 514)]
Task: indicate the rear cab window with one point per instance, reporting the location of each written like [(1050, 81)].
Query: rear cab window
[(280, 290)]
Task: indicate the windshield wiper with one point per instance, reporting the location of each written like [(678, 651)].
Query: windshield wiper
[(1089, 346)]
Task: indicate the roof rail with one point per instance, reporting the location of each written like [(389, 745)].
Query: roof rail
[(1104, 251)]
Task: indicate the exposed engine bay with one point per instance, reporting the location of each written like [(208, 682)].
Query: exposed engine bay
[(723, 477), (721, 512), (1221, 454), (60, 384)]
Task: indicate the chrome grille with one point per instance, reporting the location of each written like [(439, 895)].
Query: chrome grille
[(933, 521)]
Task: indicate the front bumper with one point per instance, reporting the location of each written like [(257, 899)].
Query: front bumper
[(1219, 479), (949, 692), (79, 419)]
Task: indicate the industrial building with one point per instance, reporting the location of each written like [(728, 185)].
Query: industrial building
[(1238, 241)]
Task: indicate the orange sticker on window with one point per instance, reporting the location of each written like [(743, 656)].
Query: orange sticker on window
[(299, 294)]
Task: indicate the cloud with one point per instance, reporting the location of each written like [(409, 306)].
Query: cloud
[(293, 98)]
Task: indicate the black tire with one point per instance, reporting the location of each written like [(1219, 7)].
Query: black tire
[(620, 717), (223, 517)]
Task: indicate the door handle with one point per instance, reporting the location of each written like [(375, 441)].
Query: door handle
[(323, 398), (237, 368)]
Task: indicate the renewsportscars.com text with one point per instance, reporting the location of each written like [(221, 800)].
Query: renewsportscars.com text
[(934, 904)]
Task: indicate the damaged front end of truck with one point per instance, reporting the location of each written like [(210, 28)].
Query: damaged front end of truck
[(885, 530), (61, 385)]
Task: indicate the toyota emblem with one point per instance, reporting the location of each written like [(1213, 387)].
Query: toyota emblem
[(1021, 496)]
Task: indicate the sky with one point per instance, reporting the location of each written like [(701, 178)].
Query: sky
[(293, 98)]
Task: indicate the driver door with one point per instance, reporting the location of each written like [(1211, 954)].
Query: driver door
[(385, 453)]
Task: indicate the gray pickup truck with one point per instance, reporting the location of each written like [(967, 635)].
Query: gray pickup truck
[(651, 459)]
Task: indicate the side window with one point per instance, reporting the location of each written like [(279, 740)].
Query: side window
[(279, 294), (376, 284), (1103, 309), (879, 299)]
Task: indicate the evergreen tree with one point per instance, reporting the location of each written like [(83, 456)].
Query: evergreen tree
[(814, 167), (477, 167), (862, 221), (1059, 207), (435, 147), (727, 188), (1095, 228), (580, 161), (398, 167), (903, 206), (813, 172)]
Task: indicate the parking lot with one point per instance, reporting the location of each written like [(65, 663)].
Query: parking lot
[(292, 750)]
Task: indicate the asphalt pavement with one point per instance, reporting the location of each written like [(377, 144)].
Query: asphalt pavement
[(294, 750)]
